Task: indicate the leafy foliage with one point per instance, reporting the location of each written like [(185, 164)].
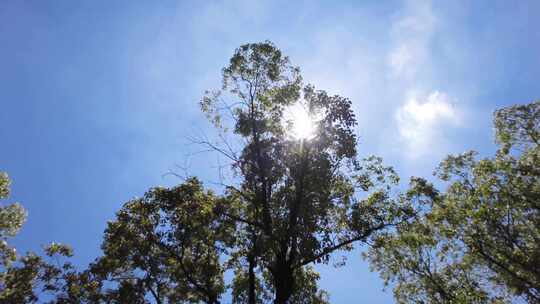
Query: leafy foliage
[(167, 245), (12, 217), (33, 279), (478, 242)]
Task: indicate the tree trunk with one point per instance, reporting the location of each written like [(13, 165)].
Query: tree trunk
[(284, 284)]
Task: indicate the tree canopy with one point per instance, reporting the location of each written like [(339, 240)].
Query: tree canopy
[(479, 241)]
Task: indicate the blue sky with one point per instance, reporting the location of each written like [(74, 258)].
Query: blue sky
[(97, 98)]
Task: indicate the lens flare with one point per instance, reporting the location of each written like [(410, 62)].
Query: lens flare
[(300, 124)]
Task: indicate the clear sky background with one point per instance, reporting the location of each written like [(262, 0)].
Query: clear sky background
[(97, 97)]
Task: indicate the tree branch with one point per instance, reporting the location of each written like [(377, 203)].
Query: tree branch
[(331, 249)]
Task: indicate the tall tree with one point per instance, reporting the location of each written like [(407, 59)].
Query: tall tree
[(302, 198), (167, 246), (479, 241)]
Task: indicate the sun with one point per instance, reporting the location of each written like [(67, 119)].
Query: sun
[(301, 125)]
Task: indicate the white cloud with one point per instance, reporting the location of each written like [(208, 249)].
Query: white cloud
[(421, 121)]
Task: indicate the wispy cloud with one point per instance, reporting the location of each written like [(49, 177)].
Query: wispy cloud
[(411, 34)]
